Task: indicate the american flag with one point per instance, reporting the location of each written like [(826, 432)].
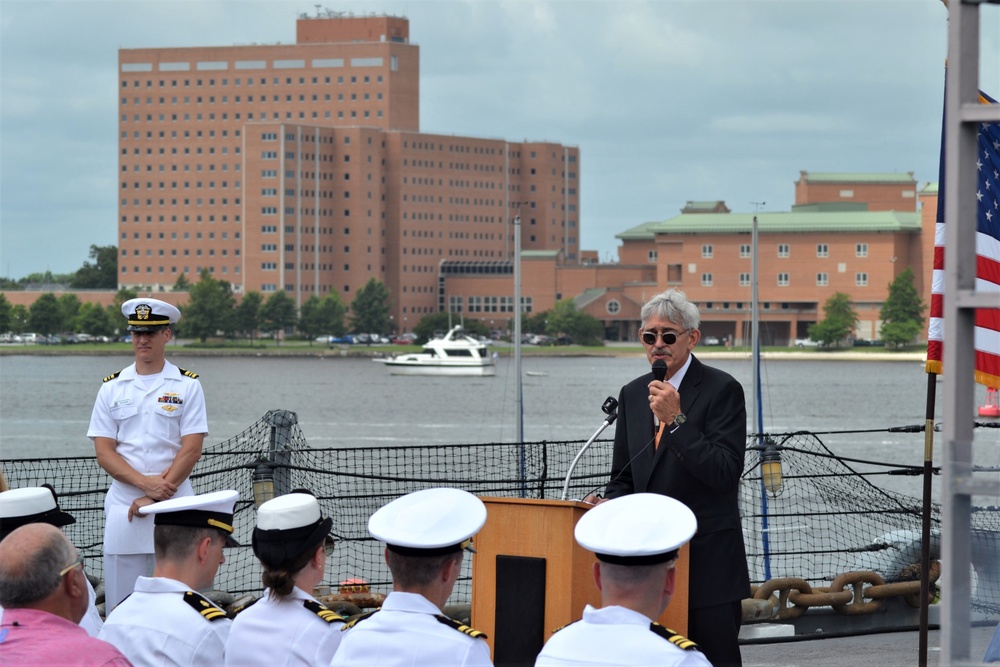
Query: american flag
[(987, 330)]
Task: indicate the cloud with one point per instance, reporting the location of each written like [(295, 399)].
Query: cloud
[(668, 100)]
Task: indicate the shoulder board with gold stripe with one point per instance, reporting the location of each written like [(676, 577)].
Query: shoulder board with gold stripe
[(190, 374), (238, 610), (111, 377), (204, 607), (677, 640), (322, 611), (461, 627), (354, 620)]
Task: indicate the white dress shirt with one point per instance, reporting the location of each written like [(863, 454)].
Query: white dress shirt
[(146, 417), (158, 626), (619, 637), (405, 632), (284, 632)]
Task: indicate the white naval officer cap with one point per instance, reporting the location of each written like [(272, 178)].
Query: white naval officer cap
[(289, 528), (637, 529), (30, 504), (430, 522), (145, 314), (206, 510)]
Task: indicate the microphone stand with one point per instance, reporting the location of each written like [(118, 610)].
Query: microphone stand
[(610, 407)]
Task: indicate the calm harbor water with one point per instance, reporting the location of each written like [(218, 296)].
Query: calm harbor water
[(45, 402)]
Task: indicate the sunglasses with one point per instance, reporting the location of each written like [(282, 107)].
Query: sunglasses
[(328, 546), (669, 337), (69, 568)]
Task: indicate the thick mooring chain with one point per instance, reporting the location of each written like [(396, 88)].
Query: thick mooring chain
[(850, 594)]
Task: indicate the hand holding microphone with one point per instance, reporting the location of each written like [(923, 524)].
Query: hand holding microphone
[(664, 401)]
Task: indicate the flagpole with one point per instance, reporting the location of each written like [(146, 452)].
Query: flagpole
[(925, 531)]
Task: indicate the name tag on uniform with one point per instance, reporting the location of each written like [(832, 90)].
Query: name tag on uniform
[(121, 401)]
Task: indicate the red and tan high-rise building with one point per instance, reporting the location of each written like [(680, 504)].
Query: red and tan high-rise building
[(301, 167)]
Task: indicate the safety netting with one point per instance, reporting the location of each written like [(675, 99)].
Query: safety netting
[(825, 518)]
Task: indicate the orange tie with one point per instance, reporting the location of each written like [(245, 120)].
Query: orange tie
[(659, 433)]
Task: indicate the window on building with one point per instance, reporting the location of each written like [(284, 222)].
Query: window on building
[(782, 280), (706, 280), (784, 250), (861, 280), (651, 256), (861, 250), (706, 250), (822, 250), (744, 280), (613, 307), (822, 279), (744, 250)]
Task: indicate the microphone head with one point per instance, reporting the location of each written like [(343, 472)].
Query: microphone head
[(659, 370)]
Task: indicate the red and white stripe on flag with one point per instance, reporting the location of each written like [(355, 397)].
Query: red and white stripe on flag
[(987, 327)]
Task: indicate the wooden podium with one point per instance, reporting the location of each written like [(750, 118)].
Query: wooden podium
[(530, 577)]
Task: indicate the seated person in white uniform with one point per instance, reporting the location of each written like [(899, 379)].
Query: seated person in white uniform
[(165, 621), (636, 539), (287, 626), (426, 535), (39, 504)]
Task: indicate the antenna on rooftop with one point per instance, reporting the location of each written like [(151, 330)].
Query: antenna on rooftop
[(757, 205)]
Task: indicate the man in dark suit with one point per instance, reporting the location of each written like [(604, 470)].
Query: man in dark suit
[(685, 437)]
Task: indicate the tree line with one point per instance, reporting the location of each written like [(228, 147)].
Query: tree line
[(101, 274), (212, 311)]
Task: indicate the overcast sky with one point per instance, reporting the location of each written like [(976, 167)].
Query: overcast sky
[(668, 101)]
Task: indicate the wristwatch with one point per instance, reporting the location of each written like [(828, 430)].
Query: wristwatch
[(679, 419)]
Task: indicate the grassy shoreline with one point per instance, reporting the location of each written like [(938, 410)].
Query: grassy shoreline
[(304, 349)]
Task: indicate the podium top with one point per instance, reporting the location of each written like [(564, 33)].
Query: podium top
[(497, 500)]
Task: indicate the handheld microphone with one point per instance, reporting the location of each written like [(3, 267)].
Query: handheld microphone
[(660, 374), (610, 408)]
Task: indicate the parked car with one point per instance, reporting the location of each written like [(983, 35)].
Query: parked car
[(30, 337), (405, 339), (805, 342), (710, 340)]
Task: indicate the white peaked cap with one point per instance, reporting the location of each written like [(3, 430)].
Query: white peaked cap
[(206, 510), (641, 528), (428, 522), (292, 510)]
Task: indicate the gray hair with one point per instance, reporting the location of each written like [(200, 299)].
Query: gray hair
[(34, 574), (672, 305)]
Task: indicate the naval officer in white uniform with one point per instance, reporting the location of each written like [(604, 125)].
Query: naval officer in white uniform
[(287, 626), (38, 504), (166, 622), (636, 539), (426, 534), (148, 427)]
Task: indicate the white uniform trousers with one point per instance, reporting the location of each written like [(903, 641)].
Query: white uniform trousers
[(120, 574)]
